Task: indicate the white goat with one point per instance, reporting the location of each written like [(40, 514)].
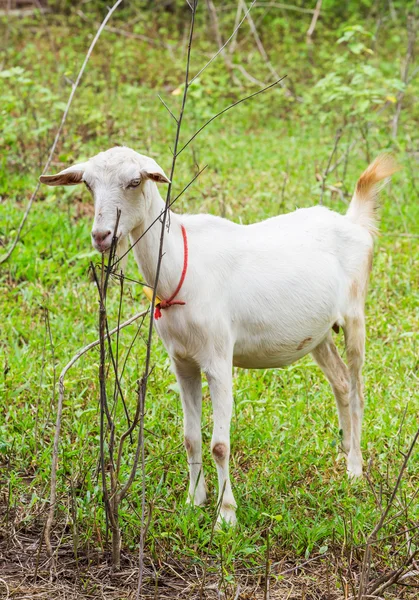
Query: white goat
[(255, 296)]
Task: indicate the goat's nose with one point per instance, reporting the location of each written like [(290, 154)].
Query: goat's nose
[(100, 236)]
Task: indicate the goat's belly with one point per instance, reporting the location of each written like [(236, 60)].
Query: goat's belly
[(275, 357), (273, 349)]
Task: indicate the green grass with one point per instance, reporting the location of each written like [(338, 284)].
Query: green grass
[(285, 430)]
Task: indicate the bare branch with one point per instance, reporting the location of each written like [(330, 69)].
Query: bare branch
[(166, 107), (223, 46), (259, 44), (313, 22), (217, 33)]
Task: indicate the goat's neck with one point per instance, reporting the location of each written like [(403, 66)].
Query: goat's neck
[(146, 251)]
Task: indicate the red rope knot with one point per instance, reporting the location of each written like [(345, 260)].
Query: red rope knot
[(163, 304)]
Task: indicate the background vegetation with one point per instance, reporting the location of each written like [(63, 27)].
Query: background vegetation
[(291, 147)]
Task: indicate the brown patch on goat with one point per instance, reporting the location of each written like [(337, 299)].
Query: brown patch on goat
[(188, 445), (219, 451), (382, 167), (227, 506), (354, 289), (304, 343)]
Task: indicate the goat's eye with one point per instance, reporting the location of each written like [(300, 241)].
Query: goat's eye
[(134, 183)]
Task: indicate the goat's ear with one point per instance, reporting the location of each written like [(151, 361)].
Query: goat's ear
[(158, 177), (70, 176), (154, 172)]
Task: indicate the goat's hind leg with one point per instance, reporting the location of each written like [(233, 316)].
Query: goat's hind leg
[(327, 357), (188, 376), (354, 330)]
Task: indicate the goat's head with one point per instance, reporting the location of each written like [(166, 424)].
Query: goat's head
[(117, 180)]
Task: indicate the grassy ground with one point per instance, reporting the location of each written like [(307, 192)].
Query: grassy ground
[(262, 159)]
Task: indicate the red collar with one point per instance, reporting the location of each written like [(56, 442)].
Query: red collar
[(163, 304)]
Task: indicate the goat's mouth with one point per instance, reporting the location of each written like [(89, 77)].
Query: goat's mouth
[(102, 242)]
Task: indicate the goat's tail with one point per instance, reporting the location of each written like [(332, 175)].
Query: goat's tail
[(363, 207)]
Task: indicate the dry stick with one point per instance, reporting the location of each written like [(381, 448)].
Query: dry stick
[(248, 75), (313, 22), (229, 64), (166, 107), (60, 129), (54, 464), (224, 45), (216, 28), (363, 583), (259, 44), (236, 22)]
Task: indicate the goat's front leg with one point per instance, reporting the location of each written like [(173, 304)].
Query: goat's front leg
[(220, 384), (188, 376)]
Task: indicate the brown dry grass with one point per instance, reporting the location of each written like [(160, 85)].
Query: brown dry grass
[(26, 573)]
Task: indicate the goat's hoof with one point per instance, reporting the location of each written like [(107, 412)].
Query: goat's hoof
[(227, 517), (197, 499), (354, 467)]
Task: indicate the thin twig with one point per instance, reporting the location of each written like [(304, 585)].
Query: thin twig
[(313, 22), (259, 44), (223, 46), (217, 33), (166, 107)]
